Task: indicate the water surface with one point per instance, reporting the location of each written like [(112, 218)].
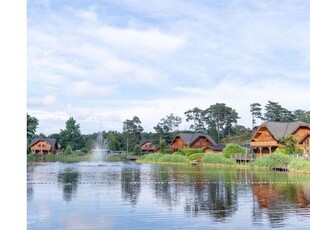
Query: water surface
[(141, 196)]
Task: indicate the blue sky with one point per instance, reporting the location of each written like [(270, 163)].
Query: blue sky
[(105, 61)]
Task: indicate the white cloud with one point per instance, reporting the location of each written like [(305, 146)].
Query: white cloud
[(86, 88), (46, 101)]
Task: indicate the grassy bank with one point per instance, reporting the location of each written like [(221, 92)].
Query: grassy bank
[(163, 158)]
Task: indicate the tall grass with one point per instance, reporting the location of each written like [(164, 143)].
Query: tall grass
[(217, 158), (298, 164), (163, 158), (273, 160), (67, 158)]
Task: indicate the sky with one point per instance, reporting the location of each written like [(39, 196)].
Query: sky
[(106, 61)]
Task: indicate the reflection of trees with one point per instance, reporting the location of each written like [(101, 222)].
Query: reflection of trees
[(166, 192), (276, 197), (69, 179), (217, 199), (131, 185)]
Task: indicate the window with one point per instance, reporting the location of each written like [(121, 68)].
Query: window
[(39, 145)]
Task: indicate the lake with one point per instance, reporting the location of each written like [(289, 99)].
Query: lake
[(116, 195)]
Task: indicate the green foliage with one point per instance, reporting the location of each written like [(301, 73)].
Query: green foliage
[(32, 124), (117, 157), (232, 148), (67, 158), (162, 145), (290, 145), (137, 150), (68, 150), (132, 131), (196, 156), (165, 158), (256, 112), (197, 116), (298, 164), (273, 160), (71, 135), (33, 158), (216, 158), (187, 151)]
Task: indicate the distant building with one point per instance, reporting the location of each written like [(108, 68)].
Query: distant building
[(44, 146), (267, 137), (192, 140), (147, 146), (214, 148)]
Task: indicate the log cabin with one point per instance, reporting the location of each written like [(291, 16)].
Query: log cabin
[(214, 148), (192, 140), (267, 137), (147, 146), (44, 146)]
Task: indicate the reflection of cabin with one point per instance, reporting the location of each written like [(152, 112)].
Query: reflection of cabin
[(214, 148), (267, 137), (43, 146), (147, 146), (192, 140)]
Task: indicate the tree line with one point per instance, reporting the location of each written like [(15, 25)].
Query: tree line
[(218, 120)]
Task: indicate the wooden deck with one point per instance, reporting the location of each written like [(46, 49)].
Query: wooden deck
[(243, 158)]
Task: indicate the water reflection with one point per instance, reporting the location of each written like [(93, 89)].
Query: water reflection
[(216, 199), (131, 185), (69, 180)]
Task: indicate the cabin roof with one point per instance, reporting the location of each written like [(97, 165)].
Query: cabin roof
[(51, 141), (304, 137), (189, 138), (217, 147), (280, 129), (142, 142)]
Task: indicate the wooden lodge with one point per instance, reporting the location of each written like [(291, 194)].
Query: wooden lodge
[(267, 137), (214, 148), (147, 146), (192, 140), (44, 146)]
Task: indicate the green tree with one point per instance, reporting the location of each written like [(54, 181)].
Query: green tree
[(289, 145), (32, 124), (221, 118), (275, 112), (68, 150), (167, 126), (71, 135), (197, 117), (302, 115), (132, 131), (233, 148), (256, 112), (113, 141)]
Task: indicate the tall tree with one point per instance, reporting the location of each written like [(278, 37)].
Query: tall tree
[(197, 117), (132, 130), (275, 112), (166, 126), (302, 115), (71, 135), (32, 124), (256, 112), (221, 118)]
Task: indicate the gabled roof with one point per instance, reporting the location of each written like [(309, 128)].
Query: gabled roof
[(142, 142), (51, 141), (189, 138), (217, 147), (282, 129)]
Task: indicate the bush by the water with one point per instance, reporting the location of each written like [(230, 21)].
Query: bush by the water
[(273, 160), (298, 164), (67, 158), (196, 156), (33, 158), (158, 157), (187, 151), (232, 148), (216, 158)]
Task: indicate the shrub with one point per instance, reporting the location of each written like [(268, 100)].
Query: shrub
[(273, 160), (137, 150), (299, 164), (187, 151), (216, 158), (33, 158), (196, 156), (68, 150), (232, 148)]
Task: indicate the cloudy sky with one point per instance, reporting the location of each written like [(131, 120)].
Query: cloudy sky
[(105, 61)]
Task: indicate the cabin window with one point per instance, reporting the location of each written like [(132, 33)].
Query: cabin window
[(39, 145), (42, 145)]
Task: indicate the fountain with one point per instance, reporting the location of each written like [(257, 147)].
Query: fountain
[(101, 148)]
